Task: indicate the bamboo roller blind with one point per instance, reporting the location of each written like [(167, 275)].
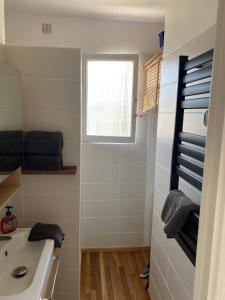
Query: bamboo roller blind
[(152, 82)]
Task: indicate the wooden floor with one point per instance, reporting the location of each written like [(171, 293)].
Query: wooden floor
[(113, 275)]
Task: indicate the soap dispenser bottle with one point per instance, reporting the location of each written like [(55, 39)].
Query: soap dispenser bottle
[(9, 221)]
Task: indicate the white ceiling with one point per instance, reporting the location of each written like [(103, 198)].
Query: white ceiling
[(135, 10)]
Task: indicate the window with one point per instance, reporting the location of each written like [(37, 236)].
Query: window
[(109, 94)]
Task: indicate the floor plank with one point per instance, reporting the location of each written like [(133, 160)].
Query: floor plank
[(113, 275)]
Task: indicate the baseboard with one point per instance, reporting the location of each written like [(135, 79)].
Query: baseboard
[(115, 249)]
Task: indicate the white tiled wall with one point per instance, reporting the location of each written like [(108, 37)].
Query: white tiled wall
[(150, 174), (171, 273), (116, 37), (113, 194), (51, 101), (113, 189), (10, 104), (2, 22), (103, 182), (11, 98)]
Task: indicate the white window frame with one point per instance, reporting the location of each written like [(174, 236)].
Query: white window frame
[(113, 57)]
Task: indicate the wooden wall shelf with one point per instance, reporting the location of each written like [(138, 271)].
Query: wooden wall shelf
[(67, 170)]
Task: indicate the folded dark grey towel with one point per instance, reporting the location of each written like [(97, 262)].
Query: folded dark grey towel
[(42, 231), (43, 142), (11, 142), (43, 162), (176, 211), (10, 162)]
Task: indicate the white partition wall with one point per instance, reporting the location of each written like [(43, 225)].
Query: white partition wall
[(2, 22), (171, 273)]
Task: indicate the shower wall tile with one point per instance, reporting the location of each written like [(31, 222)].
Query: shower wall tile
[(164, 153), (153, 290), (113, 195), (169, 69), (100, 155), (99, 174), (160, 281), (168, 98), (113, 190), (105, 240), (131, 239), (165, 129), (131, 157), (132, 190), (131, 224), (100, 191), (171, 272), (132, 208), (135, 173), (96, 225), (99, 208)]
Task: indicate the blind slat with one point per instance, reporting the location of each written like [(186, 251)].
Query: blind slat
[(152, 82)]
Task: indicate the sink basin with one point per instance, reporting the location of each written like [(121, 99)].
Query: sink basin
[(35, 256)]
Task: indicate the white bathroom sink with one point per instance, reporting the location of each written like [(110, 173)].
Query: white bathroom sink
[(35, 256)]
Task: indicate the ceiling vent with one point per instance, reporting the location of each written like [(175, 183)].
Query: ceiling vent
[(46, 28)]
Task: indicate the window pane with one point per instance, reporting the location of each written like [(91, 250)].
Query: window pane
[(109, 98)]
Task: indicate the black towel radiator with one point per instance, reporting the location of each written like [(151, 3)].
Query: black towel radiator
[(194, 81)]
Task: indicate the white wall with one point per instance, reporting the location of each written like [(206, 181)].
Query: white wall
[(10, 107), (118, 216), (150, 174), (113, 189), (186, 20), (10, 98), (172, 274), (2, 22), (91, 35), (50, 84), (103, 37)]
